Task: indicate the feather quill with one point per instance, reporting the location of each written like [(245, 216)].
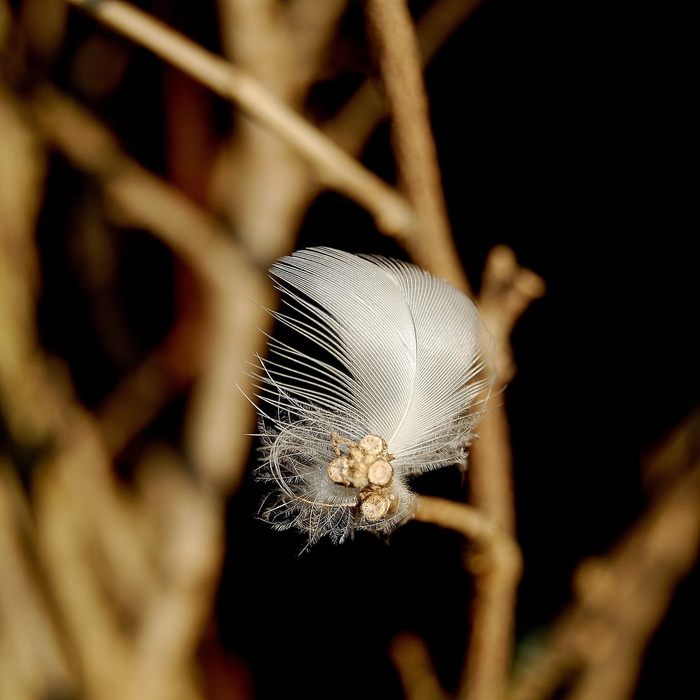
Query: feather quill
[(383, 378)]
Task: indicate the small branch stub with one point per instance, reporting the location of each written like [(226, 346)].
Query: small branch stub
[(365, 465)]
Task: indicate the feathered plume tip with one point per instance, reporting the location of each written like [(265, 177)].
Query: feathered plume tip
[(389, 384)]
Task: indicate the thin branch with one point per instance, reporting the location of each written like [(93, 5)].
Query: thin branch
[(507, 290), (334, 167), (190, 540), (596, 648), (504, 296), (460, 517), (352, 125), (399, 59), (489, 651), (490, 521), (168, 370), (266, 187), (143, 200), (37, 652), (281, 192), (412, 662), (496, 563)]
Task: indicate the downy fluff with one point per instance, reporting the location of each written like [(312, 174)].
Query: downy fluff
[(376, 375)]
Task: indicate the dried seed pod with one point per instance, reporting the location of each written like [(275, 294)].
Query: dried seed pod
[(380, 473), (374, 506)]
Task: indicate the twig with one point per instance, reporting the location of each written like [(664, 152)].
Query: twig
[(280, 190), (490, 645), (144, 201), (412, 662), (507, 289), (502, 299), (189, 535), (490, 521), (496, 563), (399, 59), (460, 517), (596, 648), (169, 369), (336, 168), (267, 185), (352, 125), (37, 656)]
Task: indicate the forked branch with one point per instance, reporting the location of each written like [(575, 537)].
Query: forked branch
[(335, 168)]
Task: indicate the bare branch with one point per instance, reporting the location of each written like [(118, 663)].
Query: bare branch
[(465, 519), (394, 32), (597, 647), (190, 553), (144, 200), (507, 289), (352, 125), (496, 563), (267, 186), (412, 662), (334, 167), (38, 657)]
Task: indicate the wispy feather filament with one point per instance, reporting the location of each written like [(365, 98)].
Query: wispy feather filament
[(391, 385)]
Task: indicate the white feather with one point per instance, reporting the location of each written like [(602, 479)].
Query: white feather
[(390, 351)]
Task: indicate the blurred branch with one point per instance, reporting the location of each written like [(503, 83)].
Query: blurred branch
[(460, 517), (142, 200), (283, 45), (187, 523), (394, 34), (352, 125), (334, 166), (412, 662), (33, 658), (78, 510), (495, 561), (258, 181), (507, 290), (164, 373), (672, 458), (267, 187), (131, 624), (503, 297), (596, 648), (67, 545), (37, 659)]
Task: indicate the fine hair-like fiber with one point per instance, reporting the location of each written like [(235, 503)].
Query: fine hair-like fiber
[(390, 383)]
